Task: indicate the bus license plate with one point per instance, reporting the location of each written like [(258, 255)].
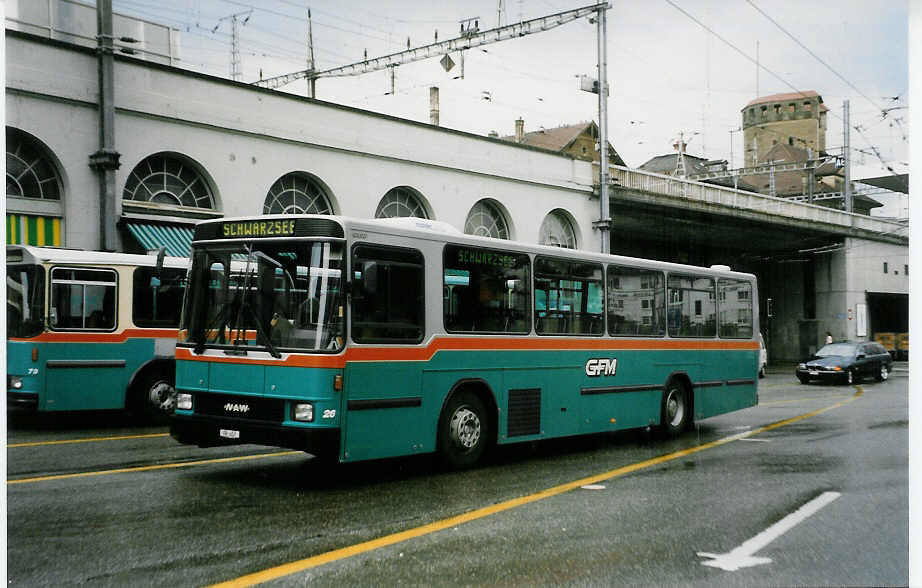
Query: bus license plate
[(229, 434)]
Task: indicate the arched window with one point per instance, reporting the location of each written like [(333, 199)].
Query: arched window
[(486, 220), (170, 180), (557, 230), (297, 193), (400, 202), (30, 172)]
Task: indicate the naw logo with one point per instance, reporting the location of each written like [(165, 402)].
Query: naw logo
[(231, 407), (601, 367)]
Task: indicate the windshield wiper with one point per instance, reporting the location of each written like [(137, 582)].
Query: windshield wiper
[(238, 323), (220, 320)]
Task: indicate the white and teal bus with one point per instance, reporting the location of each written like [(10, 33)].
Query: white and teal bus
[(364, 339), (92, 331)]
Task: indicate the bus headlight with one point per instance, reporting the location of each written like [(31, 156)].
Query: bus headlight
[(184, 401), (303, 412), (14, 383)]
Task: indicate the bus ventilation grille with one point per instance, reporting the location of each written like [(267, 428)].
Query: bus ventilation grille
[(524, 412)]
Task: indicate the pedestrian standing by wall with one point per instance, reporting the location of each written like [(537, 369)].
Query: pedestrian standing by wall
[(828, 337)]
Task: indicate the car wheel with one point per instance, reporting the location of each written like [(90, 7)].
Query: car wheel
[(676, 412), (154, 397), (463, 431), (883, 373), (803, 379)]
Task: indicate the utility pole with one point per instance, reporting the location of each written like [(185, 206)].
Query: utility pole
[(680, 170), (846, 152), (736, 130), (106, 160), (757, 69), (235, 71), (311, 82), (604, 224)]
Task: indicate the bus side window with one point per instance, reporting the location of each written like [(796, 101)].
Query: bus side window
[(160, 305), (692, 306), (636, 302), (572, 297), (734, 303), (83, 299), (387, 295), (487, 291)]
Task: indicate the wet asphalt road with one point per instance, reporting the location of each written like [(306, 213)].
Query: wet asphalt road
[(136, 519)]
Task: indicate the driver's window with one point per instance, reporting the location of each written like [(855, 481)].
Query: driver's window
[(387, 295)]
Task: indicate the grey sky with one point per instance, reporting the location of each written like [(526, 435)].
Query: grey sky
[(667, 73)]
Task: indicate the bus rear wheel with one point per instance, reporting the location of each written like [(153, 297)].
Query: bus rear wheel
[(676, 411), (463, 431), (154, 397)]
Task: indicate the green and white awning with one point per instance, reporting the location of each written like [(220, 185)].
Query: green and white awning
[(176, 239)]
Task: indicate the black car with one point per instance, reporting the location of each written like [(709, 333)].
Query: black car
[(846, 362)]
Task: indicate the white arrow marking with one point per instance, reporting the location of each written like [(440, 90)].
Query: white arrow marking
[(742, 556)]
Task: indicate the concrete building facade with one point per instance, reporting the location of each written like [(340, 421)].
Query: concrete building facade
[(241, 142)]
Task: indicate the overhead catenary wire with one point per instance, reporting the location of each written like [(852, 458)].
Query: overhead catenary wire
[(812, 54), (776, 76), (883, 112)]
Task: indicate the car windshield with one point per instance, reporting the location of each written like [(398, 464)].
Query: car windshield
[(25, 296), (839, 349), (265, 295)]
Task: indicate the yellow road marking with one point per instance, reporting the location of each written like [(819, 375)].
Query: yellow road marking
[(359, 548), (164, 466), (88, 440)]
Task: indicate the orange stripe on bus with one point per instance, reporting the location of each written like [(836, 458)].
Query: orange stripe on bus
[(121, 337), (478, 344)]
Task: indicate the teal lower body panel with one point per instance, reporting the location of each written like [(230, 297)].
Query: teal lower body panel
[(388, 410), (393, 408), (72, 376), (729, 397)]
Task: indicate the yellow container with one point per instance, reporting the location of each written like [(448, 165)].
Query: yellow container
[(888, 340)]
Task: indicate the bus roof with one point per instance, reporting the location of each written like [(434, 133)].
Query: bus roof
[(32, 254), (443, 232)]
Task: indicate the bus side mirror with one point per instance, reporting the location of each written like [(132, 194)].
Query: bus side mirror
[(158, 268)]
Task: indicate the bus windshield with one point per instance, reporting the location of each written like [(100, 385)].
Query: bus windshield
[(25, 296), (265, 295)]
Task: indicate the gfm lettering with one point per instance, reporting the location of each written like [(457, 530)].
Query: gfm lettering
[(601, 367)]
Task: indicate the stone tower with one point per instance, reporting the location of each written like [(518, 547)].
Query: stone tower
[(796, 118)]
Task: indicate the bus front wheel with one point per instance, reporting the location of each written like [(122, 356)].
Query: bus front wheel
[(154, 396), (463, 430), (676, 411)]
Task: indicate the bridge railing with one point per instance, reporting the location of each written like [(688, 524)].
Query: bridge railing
[(678, 188)]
